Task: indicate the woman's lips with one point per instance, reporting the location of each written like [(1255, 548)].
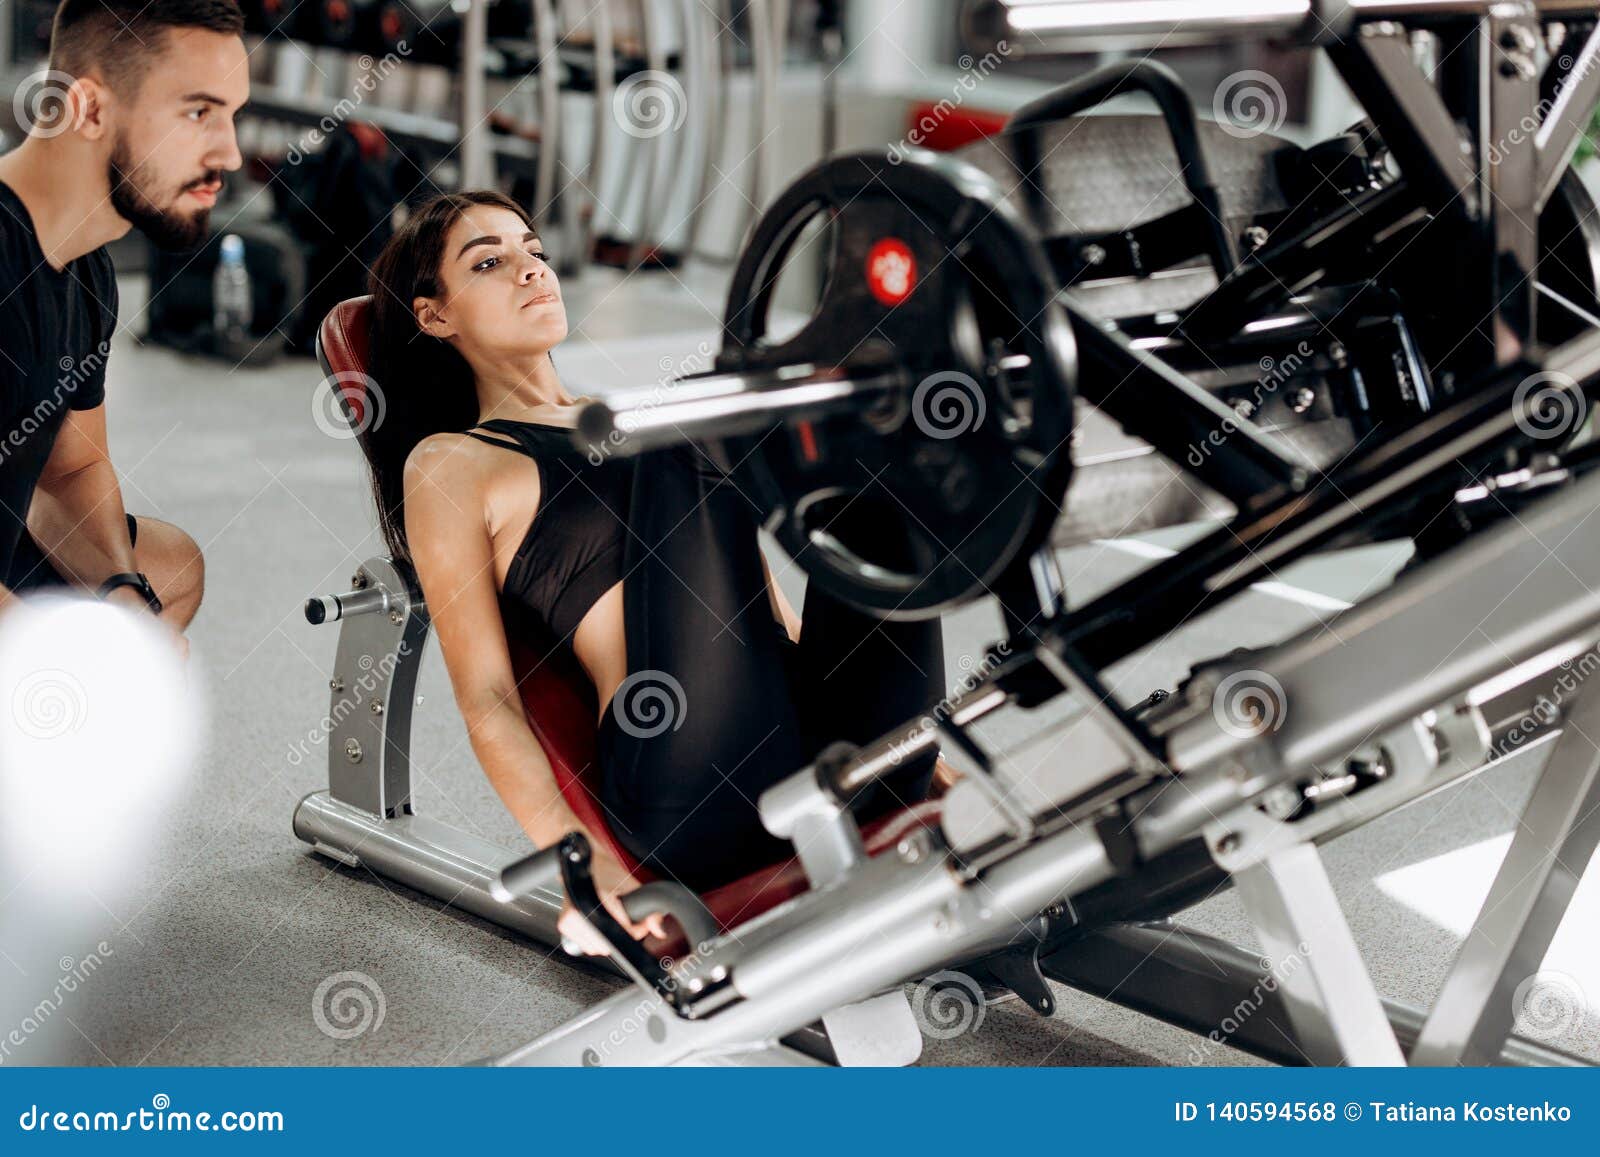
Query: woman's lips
[(542, 299)]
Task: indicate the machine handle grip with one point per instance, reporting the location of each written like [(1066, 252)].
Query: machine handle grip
[(1162, 85), (538, 872), (563, 868), (669, 899)]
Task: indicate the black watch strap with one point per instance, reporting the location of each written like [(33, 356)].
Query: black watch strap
[(135, 580)]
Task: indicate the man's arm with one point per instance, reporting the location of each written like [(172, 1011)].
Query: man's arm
[(77, 516)]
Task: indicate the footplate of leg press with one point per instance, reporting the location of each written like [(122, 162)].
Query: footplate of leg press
[(879, 1031)]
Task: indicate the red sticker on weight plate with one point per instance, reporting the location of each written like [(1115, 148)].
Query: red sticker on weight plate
[(891, 271)]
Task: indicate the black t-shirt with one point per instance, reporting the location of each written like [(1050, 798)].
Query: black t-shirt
[(55, 336)]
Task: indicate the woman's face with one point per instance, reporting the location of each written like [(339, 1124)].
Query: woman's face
[(501, 299)]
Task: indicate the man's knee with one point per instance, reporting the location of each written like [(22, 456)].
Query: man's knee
[(175, 566)]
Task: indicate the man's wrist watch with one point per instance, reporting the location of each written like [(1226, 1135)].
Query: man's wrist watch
[(138, 582)]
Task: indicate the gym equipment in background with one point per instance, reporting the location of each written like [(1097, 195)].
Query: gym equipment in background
[(604, 198)]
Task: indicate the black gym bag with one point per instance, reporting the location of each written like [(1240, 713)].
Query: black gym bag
[(180, 311)]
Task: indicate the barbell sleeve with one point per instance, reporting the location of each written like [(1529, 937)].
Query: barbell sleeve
[(713, 406)]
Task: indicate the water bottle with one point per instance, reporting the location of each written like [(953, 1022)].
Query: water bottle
[(230, 298)]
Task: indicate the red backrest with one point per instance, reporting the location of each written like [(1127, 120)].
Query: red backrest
[(560, 704), (342, 351)]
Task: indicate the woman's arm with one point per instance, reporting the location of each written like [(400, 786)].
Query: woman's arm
[(453, 553)]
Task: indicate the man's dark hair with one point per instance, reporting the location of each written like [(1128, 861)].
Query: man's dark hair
[(121, 39)]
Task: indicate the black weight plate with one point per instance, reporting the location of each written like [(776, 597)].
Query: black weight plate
[(931, 273)]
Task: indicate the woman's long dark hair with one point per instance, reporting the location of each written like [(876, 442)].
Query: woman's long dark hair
[(419, 384)]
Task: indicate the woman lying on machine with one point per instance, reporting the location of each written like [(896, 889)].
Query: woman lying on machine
[(709, 687)]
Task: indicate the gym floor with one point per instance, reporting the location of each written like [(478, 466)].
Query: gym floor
[(230, 925)]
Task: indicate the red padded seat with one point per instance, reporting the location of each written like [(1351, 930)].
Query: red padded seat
[(559, 699)]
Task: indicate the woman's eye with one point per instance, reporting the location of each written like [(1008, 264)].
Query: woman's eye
[(199, 114), (489, 263)]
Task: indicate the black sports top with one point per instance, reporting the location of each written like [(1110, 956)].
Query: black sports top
[(573, 553)]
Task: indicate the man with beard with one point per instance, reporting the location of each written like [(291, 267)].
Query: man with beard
[(131, 128)]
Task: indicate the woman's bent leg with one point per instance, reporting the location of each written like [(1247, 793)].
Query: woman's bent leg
[(859, 676), (705, 720)]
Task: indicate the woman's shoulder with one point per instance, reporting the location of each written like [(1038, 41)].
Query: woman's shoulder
[(450, 460)]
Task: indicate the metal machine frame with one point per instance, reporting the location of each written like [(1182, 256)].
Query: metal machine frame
[(1071, 869)]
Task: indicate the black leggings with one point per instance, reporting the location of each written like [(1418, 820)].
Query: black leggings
[(719, 704)]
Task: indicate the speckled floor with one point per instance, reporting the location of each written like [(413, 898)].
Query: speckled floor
[(225, 930)]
